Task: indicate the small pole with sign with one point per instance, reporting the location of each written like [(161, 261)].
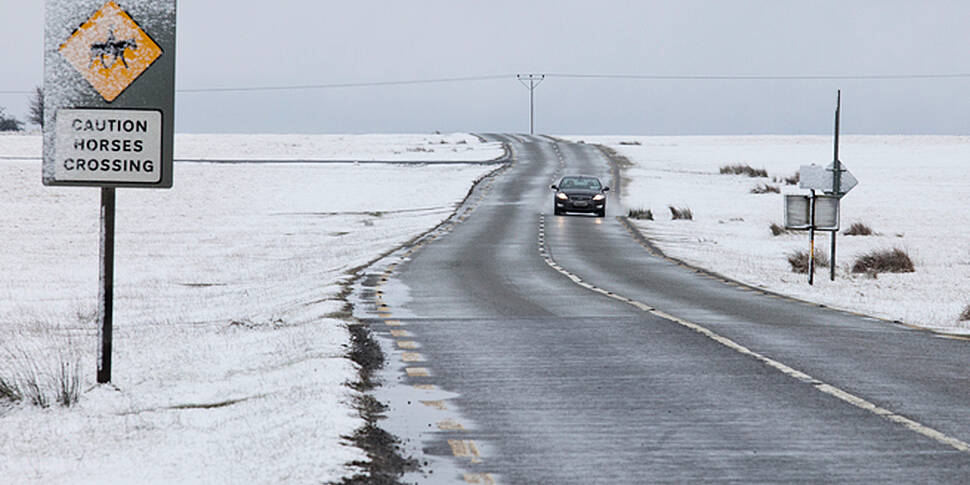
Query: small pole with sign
[(836, 176), (109, 98), (811, 239), (820, 212)]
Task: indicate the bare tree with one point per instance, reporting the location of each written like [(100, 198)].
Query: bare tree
[(37, 108)]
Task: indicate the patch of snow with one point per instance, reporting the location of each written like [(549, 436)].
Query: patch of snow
[(229, 358), (912, 191), (430, 148)]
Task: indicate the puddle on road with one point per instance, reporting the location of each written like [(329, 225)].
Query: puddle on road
[(424, 417)]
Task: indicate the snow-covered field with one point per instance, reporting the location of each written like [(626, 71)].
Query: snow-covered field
[(453, 147), (229, 362), (913, 191)]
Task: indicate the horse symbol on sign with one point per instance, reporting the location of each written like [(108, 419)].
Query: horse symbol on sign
[(112, 47)]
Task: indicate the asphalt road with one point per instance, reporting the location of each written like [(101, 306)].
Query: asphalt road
[(533, 348)]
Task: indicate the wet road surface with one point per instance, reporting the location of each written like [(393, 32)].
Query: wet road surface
[(532, 348)]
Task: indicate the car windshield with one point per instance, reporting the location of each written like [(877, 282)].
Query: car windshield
[(586, 183)]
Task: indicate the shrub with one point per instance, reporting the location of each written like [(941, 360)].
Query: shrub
[(799, 260), (9, 123), (884, 261), (681, 213), (778, 229), (640, 214), (858, 229), (765, 189), (739, 169)]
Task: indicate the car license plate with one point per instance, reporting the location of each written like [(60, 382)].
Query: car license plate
[(580, 203)]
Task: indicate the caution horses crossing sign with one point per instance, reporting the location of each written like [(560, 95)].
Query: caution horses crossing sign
[(109, 64)]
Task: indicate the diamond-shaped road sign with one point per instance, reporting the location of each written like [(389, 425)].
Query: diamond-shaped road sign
[(110, 50), (817, 178)]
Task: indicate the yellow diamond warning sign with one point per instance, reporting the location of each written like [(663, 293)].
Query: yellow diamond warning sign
[(110, 50)]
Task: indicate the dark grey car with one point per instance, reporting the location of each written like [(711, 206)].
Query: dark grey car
[(579, 193)]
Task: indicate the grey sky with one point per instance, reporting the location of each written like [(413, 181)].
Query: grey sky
[(244, 43)]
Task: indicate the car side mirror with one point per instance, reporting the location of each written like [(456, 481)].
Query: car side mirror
[(606, 189), (553, 187)]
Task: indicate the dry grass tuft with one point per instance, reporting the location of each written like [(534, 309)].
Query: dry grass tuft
[(778, 229), (793, 180), (799, 260), (640, 214), (858, 229), (884, 261), (681, 213), (765, 189), (41, 375), (739, 169), (965, 316)]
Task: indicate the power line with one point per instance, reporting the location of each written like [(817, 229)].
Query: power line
[(641, 77), (347, 85), (742, 77)]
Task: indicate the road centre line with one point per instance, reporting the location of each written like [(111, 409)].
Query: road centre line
[(785, 369)]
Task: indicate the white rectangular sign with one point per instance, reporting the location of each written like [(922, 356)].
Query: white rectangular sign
[(797, 212), (108, 146), (826, 213), (798, 209)]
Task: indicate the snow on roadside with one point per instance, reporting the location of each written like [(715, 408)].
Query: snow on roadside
[(229, 351), (913, 192), (430, 148)]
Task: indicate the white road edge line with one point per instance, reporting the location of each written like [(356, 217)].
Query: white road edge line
[(789, 371)]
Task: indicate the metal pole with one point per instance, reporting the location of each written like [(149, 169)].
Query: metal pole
[(534, 81), (106, 290), (811, 240), (836, 178), (532, 106)]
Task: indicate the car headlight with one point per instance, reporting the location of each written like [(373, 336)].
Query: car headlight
[(599, 197), (562, 196)]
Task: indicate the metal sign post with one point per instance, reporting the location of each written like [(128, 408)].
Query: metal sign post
[(109, 98), (836, 177), (834, 186), (811, 241)]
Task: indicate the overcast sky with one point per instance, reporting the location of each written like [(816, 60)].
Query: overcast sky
[(246, 43)]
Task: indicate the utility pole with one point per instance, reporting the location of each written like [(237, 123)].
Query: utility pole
[(533, 82), (836, 177)]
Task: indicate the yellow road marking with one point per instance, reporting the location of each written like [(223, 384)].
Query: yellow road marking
[(439, 405), (412, 357), (383, 315), (465, 449), (956, 337), (450, 425), (400, 333), (425, 387), (407, 344), (417, 372), (482, 478), (393, 323)]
